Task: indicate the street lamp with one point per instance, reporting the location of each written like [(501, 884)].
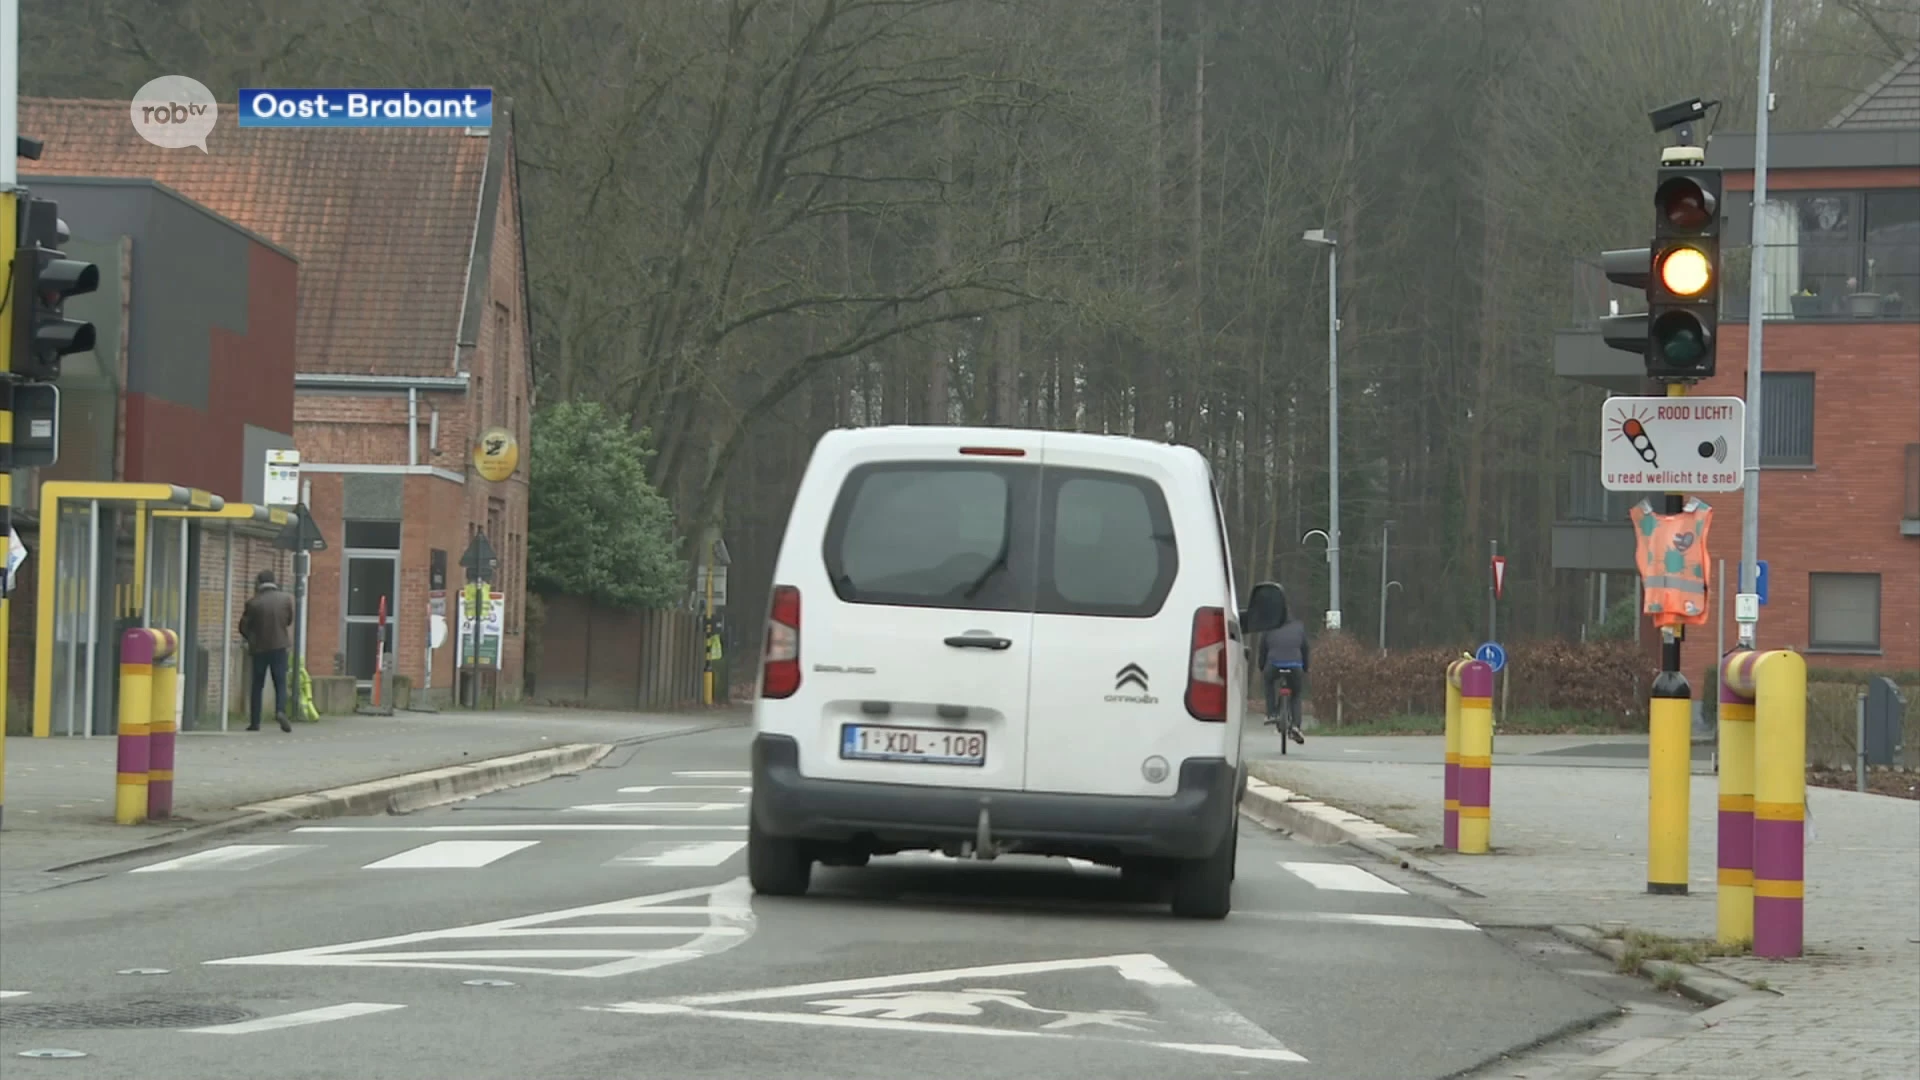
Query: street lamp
[(1322, 236)]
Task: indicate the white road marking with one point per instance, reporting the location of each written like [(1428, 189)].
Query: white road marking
[(451, 855), (685, 787), (715, 774), (297, 1019), (655, 807), (1411, 922), (230, 857), (14, 993), (728, 922), (1180, 1002), (666, 853), (555, 827), (1084, 866), (1341, 877)]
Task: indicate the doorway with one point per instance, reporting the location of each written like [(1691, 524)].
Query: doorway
[(372, 576)]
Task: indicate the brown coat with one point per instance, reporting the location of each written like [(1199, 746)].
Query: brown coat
[(267, 622)]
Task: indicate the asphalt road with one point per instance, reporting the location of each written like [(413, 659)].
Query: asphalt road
[(600, 927)]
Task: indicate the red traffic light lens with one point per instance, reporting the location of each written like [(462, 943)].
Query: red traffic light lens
[(1685, 204)]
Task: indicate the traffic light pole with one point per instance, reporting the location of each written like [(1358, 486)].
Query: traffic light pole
[(1669, 749), (9, 241), (1746, 609), (9, 222)]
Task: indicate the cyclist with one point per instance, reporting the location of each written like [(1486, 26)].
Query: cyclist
[(1284, 658)]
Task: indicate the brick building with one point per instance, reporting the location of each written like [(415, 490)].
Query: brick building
[(1839, 447), (412, 339)]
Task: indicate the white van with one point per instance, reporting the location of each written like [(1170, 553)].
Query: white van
[(987, 641)]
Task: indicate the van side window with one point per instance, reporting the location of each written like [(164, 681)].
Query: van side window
[(1107, 545), (927, 534)]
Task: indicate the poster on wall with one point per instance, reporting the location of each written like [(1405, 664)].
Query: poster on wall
[(282, 487), (492, 629)]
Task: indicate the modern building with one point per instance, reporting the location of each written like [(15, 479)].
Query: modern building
[(412, 340), (1839, 454), (168, 420)]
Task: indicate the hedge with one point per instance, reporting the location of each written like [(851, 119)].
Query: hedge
[(1599, 678)]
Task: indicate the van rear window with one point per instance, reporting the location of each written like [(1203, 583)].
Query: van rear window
[(925, 534), (1107, 545), (998, 537)]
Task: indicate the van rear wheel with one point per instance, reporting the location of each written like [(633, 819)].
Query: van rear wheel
[(777, 865), (1203, 888)]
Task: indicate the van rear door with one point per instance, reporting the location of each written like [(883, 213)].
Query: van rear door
[(1115, 598), (919, 662)]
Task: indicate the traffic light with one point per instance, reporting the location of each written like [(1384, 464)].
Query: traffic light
[(43, 279), (1630, 267), (1683, 292)]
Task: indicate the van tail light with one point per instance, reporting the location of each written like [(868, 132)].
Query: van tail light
[(780, 663), (1207, 676)]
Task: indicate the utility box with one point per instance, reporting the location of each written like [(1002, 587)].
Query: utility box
[(1880, 741)]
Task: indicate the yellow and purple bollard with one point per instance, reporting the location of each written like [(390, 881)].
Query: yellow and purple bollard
[(162, 724), (136, 708), (1733, 922), (1476, 757), (1450, 813), (1779, 803)]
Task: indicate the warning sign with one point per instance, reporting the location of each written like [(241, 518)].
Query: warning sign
[(1673, 444)]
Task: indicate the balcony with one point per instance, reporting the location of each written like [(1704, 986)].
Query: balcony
[(1910, 517), (1826, 281), (1592, 532)]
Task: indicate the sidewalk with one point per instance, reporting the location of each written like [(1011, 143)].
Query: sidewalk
[(1570, 848), (59, 791)]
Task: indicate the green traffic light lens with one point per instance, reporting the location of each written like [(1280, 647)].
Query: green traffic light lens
[(1683, 347), (1682, 340)]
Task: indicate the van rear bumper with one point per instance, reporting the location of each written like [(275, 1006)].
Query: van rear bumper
[(1186, 825)]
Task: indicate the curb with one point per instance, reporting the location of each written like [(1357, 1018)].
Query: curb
[(1277, 807), (393, 795)]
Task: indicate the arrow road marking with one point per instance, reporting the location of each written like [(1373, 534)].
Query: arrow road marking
[(728, 922)]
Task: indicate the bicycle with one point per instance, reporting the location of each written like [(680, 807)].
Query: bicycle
[(1286, 707)]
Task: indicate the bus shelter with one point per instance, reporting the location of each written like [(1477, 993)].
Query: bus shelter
[(104, 567), (208, 657)]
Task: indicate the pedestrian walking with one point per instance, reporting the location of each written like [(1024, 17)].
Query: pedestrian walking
[(267, 627)]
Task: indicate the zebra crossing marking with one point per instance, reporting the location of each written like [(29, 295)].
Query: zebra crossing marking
[(451, 855), (1341, 877), (229, 857), (668, 853)]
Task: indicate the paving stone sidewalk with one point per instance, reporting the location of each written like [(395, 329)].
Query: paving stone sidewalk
[(1570, 847), (59, 791)]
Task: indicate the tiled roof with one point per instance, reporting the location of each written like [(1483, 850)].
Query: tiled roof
[(382, 220), (1892, 102)]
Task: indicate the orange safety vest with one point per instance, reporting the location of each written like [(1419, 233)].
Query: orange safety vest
[(1672, 553)]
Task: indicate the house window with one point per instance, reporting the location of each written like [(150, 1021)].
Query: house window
[(1786, 418), (1843, 612)]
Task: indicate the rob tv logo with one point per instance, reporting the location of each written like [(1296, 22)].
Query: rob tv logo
[(174, 112)]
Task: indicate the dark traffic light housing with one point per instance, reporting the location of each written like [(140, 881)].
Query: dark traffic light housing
[(1683, 287), (43, 279)]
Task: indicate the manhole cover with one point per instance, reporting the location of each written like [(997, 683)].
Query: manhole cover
[(123, 1014)]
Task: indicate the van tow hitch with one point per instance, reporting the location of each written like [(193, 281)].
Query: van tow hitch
[(983, 845)]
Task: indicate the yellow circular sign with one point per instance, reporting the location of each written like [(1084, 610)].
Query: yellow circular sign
[(497, 454)]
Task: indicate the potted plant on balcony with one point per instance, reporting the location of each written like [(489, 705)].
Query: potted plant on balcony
[(1806, 303)]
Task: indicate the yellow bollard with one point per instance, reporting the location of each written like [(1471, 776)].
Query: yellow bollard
[(1476, 758), (162, 724), (1669, 782), (136, 707), (1779, 804), (1733, 921), (1450, 814)]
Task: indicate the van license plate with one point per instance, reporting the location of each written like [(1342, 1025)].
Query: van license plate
[(931, 746)]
